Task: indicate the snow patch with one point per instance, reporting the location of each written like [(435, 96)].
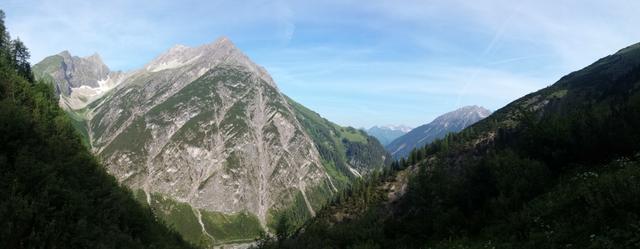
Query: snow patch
[(81, 96), (402, 128), (174, 63)]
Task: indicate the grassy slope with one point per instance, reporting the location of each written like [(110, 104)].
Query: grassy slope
[(219, 228), (48, 65), (333, 142)]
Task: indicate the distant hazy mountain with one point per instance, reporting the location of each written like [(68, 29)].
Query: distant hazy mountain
[(449, 122), (205, 138), (386, 134)]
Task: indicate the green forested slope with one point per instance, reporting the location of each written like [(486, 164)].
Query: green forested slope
[(343, 151), (53, 193), (341, 147), (558, 168)]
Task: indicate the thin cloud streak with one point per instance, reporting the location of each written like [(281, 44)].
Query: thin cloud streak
[(398, 62)]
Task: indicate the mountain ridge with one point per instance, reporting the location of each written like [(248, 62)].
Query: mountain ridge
[(207, 129), (452, 121), (387, 133)]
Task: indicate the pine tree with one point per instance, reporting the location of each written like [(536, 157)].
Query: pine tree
[(20, 56), (419, 154), (4, 35)]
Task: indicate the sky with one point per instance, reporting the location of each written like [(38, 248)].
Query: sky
[(357, 63)]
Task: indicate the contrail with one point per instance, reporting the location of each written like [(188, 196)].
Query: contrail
[(487, 51), (521, 58)]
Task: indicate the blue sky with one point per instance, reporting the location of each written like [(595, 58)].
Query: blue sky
[(357, 63)]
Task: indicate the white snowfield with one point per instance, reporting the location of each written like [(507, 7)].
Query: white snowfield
[(82, 96)]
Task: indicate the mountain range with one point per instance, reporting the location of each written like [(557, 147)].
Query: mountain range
[(453, 121), (387, 133), (199, 149), (204, 137)]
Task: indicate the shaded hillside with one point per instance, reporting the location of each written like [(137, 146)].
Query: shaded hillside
[(558, 168), (53, 193)]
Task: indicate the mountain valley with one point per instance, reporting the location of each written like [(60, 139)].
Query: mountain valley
[(199, 147), (203, 134)]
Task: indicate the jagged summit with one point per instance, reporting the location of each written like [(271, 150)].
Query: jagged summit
[(206, 57), (178, 47), (96, 58), (69, 72), (472, 112), (181, 55), (222, 41), (65, 53)]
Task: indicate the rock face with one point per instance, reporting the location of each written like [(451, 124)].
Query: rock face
[(207, 129), (386, 134), (453, 121), (77, 80)]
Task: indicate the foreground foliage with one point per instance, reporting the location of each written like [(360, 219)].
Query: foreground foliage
[(53, 193)]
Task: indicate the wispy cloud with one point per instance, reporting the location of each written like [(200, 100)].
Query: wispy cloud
[(359, 63)]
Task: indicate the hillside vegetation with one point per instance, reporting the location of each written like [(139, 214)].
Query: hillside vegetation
[(558, 168), (53, 192)]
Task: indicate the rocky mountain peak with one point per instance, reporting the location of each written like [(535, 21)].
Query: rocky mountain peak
[(464, 114), (206, 57), (222, 42), (65, 54), (96, 59), (181, 55), (387, 133), (453, 121), (205, 129), (78, 80), (93, 60), (178, 48), (70, 72)]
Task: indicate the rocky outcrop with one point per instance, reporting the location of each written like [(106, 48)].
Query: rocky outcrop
[(208, 128), (77, 80)]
